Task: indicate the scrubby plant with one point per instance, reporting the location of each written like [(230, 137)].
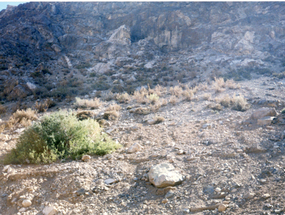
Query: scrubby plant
[(111, 115), (44, 106), (206, 96), (86, 103), (115, 107), (176, 91), (2, 109), (188, 94), (173, 100), (231, 84), (240, 103), (226, 101), (153, 98), (123, 98), (58, 136), (140, 95), (22, 117)]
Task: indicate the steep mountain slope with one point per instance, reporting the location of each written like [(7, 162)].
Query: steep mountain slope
[(100, 46)]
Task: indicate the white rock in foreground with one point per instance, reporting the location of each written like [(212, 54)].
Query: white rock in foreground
[(164, 174), (27, 203), (135, 148), (49, 210)]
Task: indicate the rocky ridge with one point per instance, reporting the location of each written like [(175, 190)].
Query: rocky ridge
[(122, 46)]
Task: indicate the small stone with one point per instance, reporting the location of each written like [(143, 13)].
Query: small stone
[(268, 205), (27, 203), (49, 210), (222, 207), (218, 190), (80, 192), (164, 174), (135, 148), (169, 194), (266, 196), (110, 181), (164, 201), (180, 152), (22, 209), (249, 195), (86, 158), (207, 125), (262, 181)]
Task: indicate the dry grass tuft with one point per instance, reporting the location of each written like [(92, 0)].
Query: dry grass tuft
[(115, 107), (240, 103), (111, 115), (226, 101), (141, 110), (231, 84), (44, 106), (217, 107), (176, 91), (173, 100), (206, 96), (23, 117), (219, 85), (153, 98), (123, 98), (86, 103), (2, 109)]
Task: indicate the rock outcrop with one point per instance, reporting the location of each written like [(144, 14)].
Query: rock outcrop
[(48, 43)]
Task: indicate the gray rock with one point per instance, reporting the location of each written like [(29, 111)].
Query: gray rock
[(164, 174), (49, 210), (263, 112)]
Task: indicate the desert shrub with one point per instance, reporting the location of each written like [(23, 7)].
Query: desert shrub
[(240, 103), (153, 98), (115, 107), (279, 75), (173, 99), (60, 135), (217, 107), (176, 91), (206, 96), (219, 85), (23, 117), (108, 96), (141, 110), (231, 84), (2, 109), (188, 94), (86, 103), (226, 101), (45, 105), (123, 98), (111, 115), (140, 96)]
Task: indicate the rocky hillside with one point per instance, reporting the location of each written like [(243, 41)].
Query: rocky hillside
[(65, 49)]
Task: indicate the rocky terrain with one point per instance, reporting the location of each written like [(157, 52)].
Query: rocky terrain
[(194, 141)]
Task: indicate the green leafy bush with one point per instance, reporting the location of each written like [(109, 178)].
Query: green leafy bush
[(60, 135)]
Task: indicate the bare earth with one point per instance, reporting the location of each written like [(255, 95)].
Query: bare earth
[(224, 160)]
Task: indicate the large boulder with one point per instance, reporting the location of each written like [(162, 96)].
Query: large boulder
[(164, 175), (263, 112)]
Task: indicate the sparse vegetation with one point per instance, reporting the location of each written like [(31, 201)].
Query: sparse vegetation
[(2, 109), (58, 136), (153, 98), (240, 103), (115, 107), (44, 106), (86, 103), (111, 115), (22, 117), (231, 84), (173, 100), (123, 98), (206, 96)]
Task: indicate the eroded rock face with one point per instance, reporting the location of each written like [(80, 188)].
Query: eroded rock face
[(72, 37), (164, 174)]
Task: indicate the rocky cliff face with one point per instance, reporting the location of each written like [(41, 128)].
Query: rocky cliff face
[(62, 49)]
